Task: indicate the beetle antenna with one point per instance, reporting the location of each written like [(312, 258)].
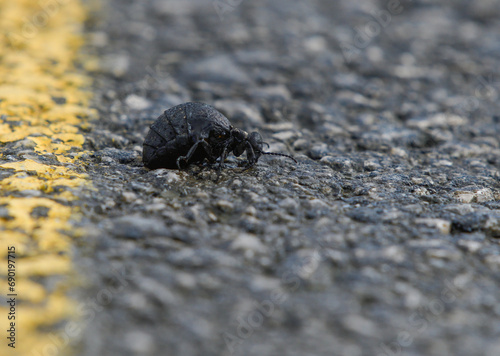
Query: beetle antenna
[(279, 154)]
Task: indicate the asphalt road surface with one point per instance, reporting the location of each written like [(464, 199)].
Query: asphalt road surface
[(382, 240)]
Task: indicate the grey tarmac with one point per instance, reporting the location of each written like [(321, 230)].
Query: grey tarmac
[(382, 240)]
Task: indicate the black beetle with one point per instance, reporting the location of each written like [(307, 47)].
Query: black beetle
[(191, 132)]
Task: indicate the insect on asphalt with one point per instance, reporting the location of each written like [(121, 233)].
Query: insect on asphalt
[(192, 132)]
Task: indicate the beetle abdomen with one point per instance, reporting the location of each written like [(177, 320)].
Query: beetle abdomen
[(177, 120), (170, 124), (167, 139), (164, 155)]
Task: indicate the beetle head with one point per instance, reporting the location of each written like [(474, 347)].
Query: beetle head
[(240, 140), (255, 139)]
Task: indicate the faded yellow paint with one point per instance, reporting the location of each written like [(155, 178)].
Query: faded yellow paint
[(41, 177), (43, 102), (20, 215), (36, 293), (43, 170)]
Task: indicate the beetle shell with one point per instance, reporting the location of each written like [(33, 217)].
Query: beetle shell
[(178, 129)]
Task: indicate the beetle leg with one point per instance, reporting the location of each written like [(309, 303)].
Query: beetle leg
[(222, 159), (192, 150), (251, 158)]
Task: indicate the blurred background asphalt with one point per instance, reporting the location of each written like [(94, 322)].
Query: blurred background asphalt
[(382, 240)]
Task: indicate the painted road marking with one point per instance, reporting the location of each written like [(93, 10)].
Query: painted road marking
[(43, 101)]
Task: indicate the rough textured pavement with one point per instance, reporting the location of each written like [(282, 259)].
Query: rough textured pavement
[(383, 240)]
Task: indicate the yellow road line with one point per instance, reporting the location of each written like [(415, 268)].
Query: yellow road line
[(43, 101)]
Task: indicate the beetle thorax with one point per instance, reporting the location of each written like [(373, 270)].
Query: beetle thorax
[(238, 135), (240, 139)]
